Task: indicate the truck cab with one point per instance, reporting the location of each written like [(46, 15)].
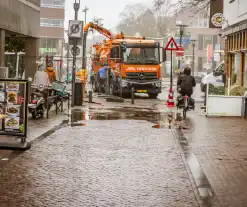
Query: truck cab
[(138, 67)]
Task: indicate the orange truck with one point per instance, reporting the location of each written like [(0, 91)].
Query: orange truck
[(134, 63)]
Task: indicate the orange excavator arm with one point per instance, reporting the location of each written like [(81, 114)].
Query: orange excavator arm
[(98, 28)]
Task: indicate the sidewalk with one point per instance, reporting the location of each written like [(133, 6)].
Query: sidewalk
[(35, 129), (220, 146)]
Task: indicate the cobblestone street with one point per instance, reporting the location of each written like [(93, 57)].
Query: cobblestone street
[(105, 163), (115, 154), (221, 149)]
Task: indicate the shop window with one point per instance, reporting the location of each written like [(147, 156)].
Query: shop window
[(245, 70), (52, 23), (49, 46)]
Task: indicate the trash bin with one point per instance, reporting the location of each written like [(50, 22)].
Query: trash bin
[(78, 93)]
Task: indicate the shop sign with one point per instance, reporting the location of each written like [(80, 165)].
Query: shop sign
[(13, 108), (218, 19), (43, 50), (216, 14)]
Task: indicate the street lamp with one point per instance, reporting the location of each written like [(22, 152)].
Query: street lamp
[(193, 42), (85, 11), (181, 33)]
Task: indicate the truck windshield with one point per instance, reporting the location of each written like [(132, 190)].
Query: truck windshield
[(142, 56)]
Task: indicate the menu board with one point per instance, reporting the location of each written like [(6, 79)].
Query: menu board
[(12, 106)]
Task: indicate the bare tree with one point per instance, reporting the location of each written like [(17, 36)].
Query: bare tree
[(181, 4), (136, 18), (163, 11)]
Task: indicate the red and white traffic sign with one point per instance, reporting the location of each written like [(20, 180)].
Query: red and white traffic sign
[(171, 45), (180, 52)]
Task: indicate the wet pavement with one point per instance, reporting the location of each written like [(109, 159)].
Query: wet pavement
[(220, 146), (119, 154), (106, 163)]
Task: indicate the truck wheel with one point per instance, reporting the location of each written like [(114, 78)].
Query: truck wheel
[(153, 95), (111, 87)]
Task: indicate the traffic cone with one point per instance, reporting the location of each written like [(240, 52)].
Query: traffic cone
[(170, 102)]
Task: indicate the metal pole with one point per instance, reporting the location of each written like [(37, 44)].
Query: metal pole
[(121, 89), (171, 75), (193, 57), (85, 22), (76, 9), (132, 95), (180, 41), (67, 70), (86, 15)]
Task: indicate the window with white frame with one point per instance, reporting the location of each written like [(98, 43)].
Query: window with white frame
[(52, 23), (199, 23), (201, 20), (52, 3)]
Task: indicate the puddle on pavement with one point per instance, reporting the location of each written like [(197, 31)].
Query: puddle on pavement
[(160, 119), (78, 117), (206, 194)]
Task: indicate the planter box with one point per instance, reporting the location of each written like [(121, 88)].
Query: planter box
[(224, 105)]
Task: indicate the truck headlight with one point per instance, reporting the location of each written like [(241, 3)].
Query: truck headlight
[(158, 84)]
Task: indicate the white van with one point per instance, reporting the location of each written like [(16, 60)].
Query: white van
[(214, 79)]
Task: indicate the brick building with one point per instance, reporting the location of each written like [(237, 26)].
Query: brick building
[(209, 44)]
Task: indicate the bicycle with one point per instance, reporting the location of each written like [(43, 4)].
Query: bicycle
[(185, 106)]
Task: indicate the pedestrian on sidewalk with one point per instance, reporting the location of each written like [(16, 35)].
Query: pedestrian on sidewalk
[(51, 72)]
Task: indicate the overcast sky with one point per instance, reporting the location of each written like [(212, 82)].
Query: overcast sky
[(107, 9)]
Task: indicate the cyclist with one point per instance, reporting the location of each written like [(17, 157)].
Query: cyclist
[(185, 84)]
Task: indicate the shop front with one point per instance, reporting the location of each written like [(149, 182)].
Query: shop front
[(51, 51), (51, 47), (236, 54)]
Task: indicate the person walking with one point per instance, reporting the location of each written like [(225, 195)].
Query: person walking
[(103, 78), (51, 72)]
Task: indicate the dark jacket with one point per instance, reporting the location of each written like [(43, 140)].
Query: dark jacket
[(186, 83)]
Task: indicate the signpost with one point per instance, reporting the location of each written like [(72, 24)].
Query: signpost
[(75, 34), (172, 46), (180, 52)]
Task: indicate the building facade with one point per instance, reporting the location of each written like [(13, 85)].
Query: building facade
[(235, 33), (24, 23), (52, 15), (208, 45)]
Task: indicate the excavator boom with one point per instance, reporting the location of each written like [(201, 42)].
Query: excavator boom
[(98, 28)]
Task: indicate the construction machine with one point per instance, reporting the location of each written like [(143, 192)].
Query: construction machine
[(134, 62)]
